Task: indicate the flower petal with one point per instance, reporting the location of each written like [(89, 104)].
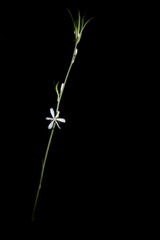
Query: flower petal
[(58, 125), (52, 112), (61, 120), (50, 125), (57, 115), (49, 118)]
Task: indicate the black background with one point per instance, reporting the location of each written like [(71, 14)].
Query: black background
[(87, 183)]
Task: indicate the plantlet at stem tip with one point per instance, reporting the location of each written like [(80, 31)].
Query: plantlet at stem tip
[(79, 26)]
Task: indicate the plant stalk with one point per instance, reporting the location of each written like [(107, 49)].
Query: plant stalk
[(51, 135)]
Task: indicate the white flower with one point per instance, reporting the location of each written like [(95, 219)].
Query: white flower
[(55, 119)]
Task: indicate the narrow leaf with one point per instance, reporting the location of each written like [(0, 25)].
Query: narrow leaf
[(87, 23), (56, 88), (74, 24)]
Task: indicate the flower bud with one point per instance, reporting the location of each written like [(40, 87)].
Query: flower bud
[(75, 52), (62, 86), (78, 36)]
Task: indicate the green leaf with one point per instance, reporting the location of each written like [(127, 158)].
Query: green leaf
[(74, 23), (56, 88), (84, 25), (79, 21)]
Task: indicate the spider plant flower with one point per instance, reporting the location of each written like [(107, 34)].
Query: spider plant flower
[(55, 119), (79, 26)]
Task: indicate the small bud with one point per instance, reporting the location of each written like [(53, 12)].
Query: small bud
[(74, 56), (62, 86), (75, 52), (78, 36)]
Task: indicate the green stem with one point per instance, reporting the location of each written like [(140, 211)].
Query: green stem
[(42, 172), (51, 135), (65, 81)]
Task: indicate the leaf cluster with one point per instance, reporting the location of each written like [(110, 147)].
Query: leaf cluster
[(79, 25)]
